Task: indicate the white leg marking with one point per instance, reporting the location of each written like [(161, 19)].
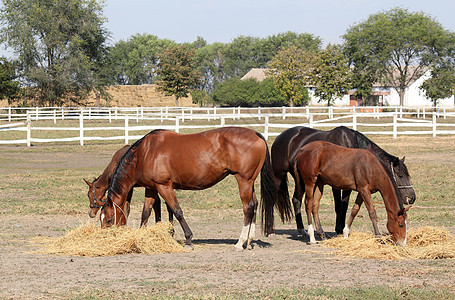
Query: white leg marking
[(311, 234), (406, 235), (346, 231), (243, 237), (102, 217)]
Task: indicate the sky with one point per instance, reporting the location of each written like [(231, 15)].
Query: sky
[(222, 21)]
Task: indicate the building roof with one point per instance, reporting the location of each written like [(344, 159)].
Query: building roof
[(256, 73)]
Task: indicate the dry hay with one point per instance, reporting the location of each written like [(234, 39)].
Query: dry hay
[(91, 240), (422, 243)]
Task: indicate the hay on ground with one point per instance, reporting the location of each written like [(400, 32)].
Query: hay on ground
[(422, 243), (91, 240)]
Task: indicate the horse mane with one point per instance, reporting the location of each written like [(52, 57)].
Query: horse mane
[(127, 161), (386, 159)]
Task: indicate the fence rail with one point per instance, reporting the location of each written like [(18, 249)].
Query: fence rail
[(393, 121)]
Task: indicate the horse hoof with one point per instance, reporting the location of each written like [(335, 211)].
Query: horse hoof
[(188, 248), (302, 231), (238, 248)]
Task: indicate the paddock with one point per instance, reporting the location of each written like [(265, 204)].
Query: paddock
[(43, 197)]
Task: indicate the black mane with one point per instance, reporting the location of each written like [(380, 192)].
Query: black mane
[(386, 159), (127, 161)]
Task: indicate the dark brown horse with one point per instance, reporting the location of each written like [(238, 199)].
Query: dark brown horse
[(164, 160), (283, 153), (99, 186), (319, 163)]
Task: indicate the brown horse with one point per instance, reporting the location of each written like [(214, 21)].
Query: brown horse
[(164, 160), (99, 186), (319, 163)]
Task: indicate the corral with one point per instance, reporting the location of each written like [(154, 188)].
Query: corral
[(43, 196)]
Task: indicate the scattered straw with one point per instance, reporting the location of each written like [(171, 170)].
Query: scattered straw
[(423, 243), (90, 240)]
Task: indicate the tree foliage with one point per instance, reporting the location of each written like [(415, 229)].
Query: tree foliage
[(59, 44), (395, 46), (291, 72), (330, 74), (248, 93), (177, 72), (440, 85), (9, 87)]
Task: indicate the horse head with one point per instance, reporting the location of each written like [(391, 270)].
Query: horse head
[(397, 227), (403, 180), (96, 198), (112, 214)]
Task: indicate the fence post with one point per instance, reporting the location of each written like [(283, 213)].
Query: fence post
[(177, 123), (266, 127), (424, 115), (283, 109), (223, 121), (330, 112), (29, 130), (444, 110), (55, 117), (434, 124), (259, 112), (310, 120), (81, 128), (9, 113), (395, 126), (354, 120), (63, 113), (126, 130)]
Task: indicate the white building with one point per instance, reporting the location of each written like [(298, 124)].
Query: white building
[(381, 95)]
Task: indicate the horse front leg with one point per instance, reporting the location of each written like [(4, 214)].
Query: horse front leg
[(149, 201), (354, 211), (366, 195), (341, 200), (168, 194)]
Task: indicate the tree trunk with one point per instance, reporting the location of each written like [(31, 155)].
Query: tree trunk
[(98, 96)]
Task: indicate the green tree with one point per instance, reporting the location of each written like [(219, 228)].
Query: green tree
[(247, 93), (291, 72), (440, 85), (330, 74), (9, 87), (177, 72), (135, 60), (59, 45), (395, 47)]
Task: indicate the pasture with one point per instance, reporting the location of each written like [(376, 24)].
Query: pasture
[(43, 195)]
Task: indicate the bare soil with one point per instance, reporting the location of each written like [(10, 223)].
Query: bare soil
[(280, 261)]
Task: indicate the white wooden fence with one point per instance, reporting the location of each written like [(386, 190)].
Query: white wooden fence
[(270, 121)]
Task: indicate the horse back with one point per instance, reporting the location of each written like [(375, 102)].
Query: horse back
[(200, 160), (339, 167)]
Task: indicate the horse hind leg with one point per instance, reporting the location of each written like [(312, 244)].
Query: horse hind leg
[(250, 204), (354, 211), (316, 201)]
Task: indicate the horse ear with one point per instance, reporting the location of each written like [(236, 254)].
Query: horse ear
[(90, 184), (402, 160), (407, 208), (402, 211)]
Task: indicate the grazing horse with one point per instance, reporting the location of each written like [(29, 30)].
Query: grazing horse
[(164, 160), (283, 153), (99, 186), (319, 163)]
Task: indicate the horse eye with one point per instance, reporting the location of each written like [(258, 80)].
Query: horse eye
[(400, 225)]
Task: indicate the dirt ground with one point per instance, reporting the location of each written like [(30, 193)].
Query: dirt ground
[(283, 260)]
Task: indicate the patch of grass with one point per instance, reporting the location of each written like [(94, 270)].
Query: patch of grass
[(210, 292)]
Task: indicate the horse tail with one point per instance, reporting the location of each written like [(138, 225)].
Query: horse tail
[(268, 193)]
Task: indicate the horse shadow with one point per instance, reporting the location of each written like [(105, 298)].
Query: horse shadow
[(294, 235), (255, 243)]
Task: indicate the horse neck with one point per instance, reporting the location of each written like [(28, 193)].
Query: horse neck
[(122, 181), (102, 183), (388, 191)]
